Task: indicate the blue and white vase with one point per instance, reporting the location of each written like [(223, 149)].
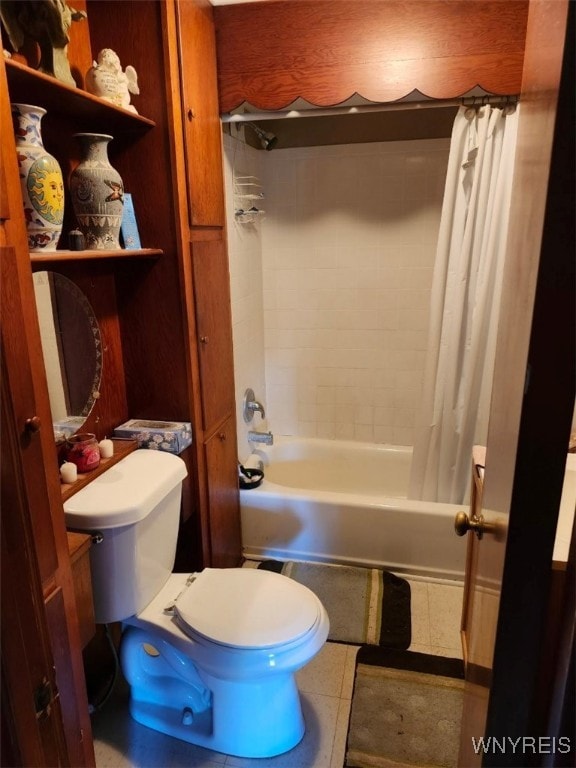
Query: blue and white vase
[(40, 178), (97, 193)]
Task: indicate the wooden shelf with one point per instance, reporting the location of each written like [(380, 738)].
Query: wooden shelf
[(121, 449), (121, 253), (88, 112)]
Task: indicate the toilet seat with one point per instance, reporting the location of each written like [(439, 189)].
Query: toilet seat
[(246, 608)]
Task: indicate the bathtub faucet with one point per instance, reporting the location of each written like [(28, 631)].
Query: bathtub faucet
[(261, 437)]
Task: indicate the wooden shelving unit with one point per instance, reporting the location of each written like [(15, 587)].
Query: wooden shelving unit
[(60, 98), (121, 449), (122, 253)]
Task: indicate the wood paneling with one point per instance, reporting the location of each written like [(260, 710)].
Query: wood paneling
[(272, 53)]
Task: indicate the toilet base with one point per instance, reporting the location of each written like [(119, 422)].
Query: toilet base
[(251, 719)]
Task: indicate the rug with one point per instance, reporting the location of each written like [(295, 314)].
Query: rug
[(364, 605), (406, 710)]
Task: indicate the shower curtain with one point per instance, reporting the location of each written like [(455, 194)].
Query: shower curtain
[(464, 303)]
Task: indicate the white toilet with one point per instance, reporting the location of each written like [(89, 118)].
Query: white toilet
[(210, 657)]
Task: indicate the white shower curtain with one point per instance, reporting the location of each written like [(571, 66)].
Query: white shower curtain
[(464, 303)]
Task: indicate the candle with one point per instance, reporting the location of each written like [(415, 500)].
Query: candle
[(69, 472), (106, 448)]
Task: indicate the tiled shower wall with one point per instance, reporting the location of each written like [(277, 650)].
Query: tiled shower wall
[(347, 247), (245, 260)]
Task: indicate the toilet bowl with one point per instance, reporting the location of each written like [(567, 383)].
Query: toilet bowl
[(210, 657)]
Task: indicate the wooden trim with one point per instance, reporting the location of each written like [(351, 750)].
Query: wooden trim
[(56, 256), (53, 95), (270, 54), (121, 449)]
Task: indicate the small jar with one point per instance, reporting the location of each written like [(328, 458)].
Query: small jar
[(82, 449)]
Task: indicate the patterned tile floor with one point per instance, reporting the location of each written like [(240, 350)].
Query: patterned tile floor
[(326, 689)]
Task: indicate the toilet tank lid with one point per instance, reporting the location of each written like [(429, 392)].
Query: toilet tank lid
[(126, 492)]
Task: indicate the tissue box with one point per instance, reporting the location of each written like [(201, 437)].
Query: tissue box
[(66, 427), (170, 436)]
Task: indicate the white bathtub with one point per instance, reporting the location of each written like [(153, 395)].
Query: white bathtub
[(344, 502)]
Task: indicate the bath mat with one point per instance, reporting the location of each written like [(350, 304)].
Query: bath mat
[(364, 605), (406, 710)]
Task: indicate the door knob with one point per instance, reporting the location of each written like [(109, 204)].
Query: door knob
[(33, 424), (463, 524)]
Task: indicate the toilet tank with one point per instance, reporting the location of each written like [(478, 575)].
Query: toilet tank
[(135, 505)]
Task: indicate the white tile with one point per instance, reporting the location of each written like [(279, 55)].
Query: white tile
[(325, 673), (349, 671), (121, 742)]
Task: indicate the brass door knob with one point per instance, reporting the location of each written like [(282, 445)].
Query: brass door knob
[(463, 524)]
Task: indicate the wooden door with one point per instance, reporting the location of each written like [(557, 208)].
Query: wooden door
[(42, 670), (202, 129), (221, 461), (531, 411), (214, 327)]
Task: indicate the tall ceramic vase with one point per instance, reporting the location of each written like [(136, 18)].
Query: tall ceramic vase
[(97, 193), (40, 178)]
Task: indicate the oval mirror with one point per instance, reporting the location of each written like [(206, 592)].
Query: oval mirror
[(72, 350)]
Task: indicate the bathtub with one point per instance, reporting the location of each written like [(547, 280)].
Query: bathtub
[(343, 502)]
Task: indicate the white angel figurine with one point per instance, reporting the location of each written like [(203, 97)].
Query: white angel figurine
[(106, 79)]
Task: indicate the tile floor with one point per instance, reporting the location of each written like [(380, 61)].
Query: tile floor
[(326, 688)]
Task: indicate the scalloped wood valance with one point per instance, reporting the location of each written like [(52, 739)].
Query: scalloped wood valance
[(271, 53)]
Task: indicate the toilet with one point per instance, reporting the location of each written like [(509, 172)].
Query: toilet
[(210, 657)]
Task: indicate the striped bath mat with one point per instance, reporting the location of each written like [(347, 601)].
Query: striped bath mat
[(366, 606)]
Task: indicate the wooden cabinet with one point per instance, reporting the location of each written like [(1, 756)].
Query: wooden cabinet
[(214, 327), (202, 130), (205, 275), (79, 547), (222, 467), (45, 709), (164, 310), (152, 306)]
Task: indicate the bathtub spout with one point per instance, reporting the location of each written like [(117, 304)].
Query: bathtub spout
[(261, 437)]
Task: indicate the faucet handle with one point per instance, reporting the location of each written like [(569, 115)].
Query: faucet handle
[(251, 405)]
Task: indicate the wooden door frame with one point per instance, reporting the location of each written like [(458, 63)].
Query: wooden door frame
[(533, 397), (545, 423)]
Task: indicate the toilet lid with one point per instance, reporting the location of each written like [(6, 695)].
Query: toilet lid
[(246, 607)]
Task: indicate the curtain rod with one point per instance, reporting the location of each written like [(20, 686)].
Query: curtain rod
[(397, 106)]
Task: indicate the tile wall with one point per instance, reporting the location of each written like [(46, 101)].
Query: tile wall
[(245, 261), (347, 250)]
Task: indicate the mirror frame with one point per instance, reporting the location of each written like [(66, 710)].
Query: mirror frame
[(56, 280)]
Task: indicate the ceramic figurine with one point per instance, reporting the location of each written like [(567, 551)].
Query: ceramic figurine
[(107, 80), (46, 22)]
